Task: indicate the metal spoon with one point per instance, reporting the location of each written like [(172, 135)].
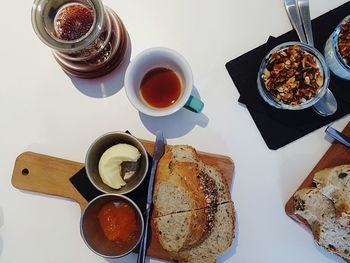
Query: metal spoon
[(327, 105), (299, 14)]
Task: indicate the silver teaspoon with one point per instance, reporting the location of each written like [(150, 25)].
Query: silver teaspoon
[(299, 14)]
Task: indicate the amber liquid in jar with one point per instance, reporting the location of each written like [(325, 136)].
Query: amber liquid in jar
[(73, 21), (160, 88)]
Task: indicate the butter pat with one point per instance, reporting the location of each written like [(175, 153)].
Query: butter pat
[(109, 165)]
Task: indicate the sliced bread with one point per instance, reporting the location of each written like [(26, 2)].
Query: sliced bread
[(186, 153), (219, 239), (181, 187), (334, 183), (190, 229), (181, 230), (319, 212), (223, 193), (194, 178)]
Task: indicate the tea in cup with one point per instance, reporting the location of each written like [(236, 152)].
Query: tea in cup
[(159, 82)]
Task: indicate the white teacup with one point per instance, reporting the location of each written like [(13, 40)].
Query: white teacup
[(160, 57)]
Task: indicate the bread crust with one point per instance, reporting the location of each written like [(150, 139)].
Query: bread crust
[(223, 190), (334, 183), (180, 176), (183, 176), (219, 239), (195, 230), (319, 212), (203, 190)]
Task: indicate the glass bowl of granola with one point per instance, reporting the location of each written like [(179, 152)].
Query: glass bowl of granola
[(293, 76), (337, 50)]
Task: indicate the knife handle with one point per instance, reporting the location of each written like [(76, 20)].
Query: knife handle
[(338, 136)]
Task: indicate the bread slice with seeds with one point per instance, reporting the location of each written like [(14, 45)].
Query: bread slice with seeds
[(223, 192), (319, 212), (334, 183), (190, 229), (181, 187), (219, 239), (181, 230)]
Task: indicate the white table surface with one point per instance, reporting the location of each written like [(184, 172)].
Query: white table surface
[(43, 110)]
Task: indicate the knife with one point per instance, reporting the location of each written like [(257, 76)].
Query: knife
[(340, 137), (158, 152)]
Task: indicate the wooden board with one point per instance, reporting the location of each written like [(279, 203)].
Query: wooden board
[(50, 175), (337, 154)]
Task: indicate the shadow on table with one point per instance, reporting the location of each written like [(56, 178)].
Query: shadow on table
[(228, 254), (332, 257), (1, 224), (176, 124), (107, 85)]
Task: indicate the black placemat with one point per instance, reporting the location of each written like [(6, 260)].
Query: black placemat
[(280, 127)]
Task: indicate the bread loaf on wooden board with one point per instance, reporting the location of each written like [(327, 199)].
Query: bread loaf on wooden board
[(334, 183), (336, 155), (180, 189), (319, 212), (182, 181), (223, 165), (220, 238)]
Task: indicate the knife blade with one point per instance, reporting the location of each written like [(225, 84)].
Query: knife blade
[(159, 147), (337, 135)]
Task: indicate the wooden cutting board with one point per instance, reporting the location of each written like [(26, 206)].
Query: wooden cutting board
[(50, 175), (337, 154)]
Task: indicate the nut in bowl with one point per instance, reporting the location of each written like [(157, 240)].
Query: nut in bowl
[(337, 50), (293, 76), (112, 225), (116, 162)]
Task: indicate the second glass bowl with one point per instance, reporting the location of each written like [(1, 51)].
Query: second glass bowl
[(334, 59), (324, 71)]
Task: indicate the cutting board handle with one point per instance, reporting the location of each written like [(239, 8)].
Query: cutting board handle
[(46, 174)]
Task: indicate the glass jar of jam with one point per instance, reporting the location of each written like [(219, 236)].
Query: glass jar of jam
[(88, 39)]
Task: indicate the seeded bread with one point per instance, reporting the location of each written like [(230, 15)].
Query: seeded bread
[(181, 230), (180, 186), (223, 193), (334, 183), (182, 220), (319, 212), (219, 239)]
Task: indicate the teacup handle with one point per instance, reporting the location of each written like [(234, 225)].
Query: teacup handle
[(194, 104)]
